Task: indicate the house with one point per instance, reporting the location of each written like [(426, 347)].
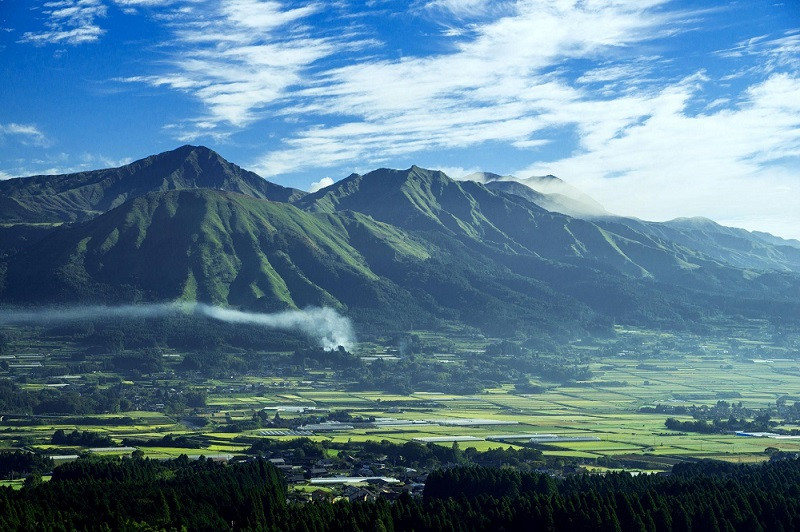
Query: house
[(359, 494), (320, 495)]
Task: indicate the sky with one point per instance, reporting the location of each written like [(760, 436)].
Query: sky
[(657, 109)]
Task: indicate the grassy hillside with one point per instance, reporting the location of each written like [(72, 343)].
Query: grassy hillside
[(232, 249)]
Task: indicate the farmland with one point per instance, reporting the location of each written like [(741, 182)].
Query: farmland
[(611, 419)]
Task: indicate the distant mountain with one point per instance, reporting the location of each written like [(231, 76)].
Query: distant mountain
[(392, 249), (425, 200), (610, 267), (84, 195), (733, 246), (548, 192)]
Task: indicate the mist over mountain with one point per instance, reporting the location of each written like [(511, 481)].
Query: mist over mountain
[(548, 192), (392, 249)]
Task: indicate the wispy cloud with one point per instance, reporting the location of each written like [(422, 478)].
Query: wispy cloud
[(498, 85), (27, 134), (456, 172), (777, 52), (60, 163), (460, 8), (69, 22), (673, 162), (237, 57)]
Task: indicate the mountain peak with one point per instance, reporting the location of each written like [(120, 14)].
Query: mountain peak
[(84, 195)]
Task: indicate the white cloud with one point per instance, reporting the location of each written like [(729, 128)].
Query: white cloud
[(238, 57), (494, 87), (725, 164), (27, 134), (637, 71), (144, 3), (69, 22), (456, 172), (777, 52), (322, 183), (459, 8)]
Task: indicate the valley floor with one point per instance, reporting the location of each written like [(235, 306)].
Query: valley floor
[(615, 420)]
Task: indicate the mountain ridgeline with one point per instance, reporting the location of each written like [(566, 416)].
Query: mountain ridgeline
[(393, 249), (81, 196)]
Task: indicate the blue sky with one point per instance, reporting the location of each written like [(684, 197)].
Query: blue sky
[(658, 109)]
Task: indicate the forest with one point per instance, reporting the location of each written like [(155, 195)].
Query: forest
[(136, 493)]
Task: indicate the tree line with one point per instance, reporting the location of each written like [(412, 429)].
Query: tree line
[(103, 493)]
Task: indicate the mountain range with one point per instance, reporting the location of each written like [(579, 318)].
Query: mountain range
[(393, 249)]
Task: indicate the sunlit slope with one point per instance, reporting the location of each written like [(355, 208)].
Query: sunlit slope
[(232, 249), (201, 244), (81, 196)]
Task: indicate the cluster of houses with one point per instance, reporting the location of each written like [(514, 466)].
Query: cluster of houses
[(348, 478)]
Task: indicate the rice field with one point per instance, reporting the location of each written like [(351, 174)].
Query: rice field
[(606, 407)]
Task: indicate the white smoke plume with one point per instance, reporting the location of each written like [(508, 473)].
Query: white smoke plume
[(324, 325)]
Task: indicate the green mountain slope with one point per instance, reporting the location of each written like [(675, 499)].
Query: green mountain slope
[(232, 249), (81, 196), (392, 249), (612, 268), (423, 200)]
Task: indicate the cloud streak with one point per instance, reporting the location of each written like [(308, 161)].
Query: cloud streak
[(674, 162), (495, 86), (238, 57), (323, 325), (69, 22), (27, 134)]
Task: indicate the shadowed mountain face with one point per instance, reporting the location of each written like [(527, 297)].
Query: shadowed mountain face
[(80, 196), (391, 248)]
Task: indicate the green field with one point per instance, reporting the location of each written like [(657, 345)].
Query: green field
[(653, 369)]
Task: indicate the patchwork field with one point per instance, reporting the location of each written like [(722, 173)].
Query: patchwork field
[(656, 369)]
